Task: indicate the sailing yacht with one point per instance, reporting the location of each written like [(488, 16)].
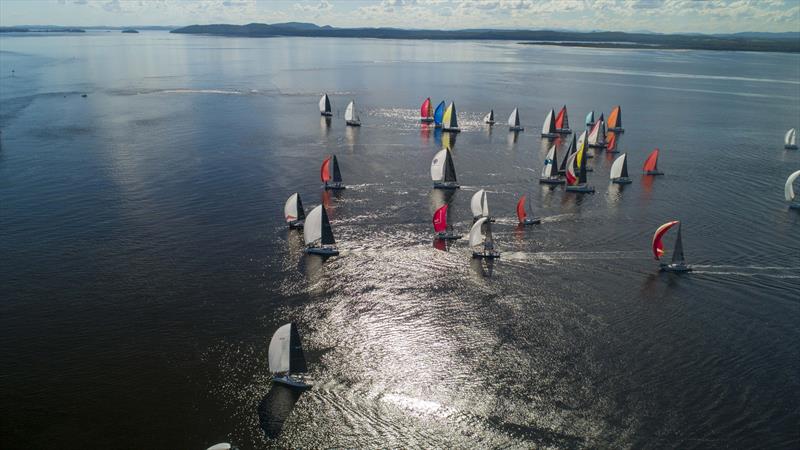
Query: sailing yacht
[(678, 263), (286, 357), (330, 174), (479, 205), (293, 211), (549, 125), (438, 115), (442, 229), (578, 183), (550, 169), (318, 234), (489, 117), (615, 120), (788, 190), (590, 119), (450, 119), (325, 106), (426, 111), (619, 170), (443, 172), (572, 149), (513, 121), (481, 241), (562, 121), (522, 215), (351, 115), (790, 140), (651, 164)]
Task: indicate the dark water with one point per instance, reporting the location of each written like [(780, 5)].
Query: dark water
[(144, 263)]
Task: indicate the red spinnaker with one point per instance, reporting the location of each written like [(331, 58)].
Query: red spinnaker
[(658, 246), (425, 109), (440, 219), (611, 141), (521, 214), (651, 162), (325, 170), (560, 118)]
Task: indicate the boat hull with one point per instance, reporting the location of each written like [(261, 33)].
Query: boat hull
[(533, 221), (516, 129), (581, 189), (296, 224), (597, 145), (445, 185), (617, 130), (490, 122), (621, 180), (675, 268), (335, 187), (353, 123), (790, 147), (654, 172), (550, 135), (322, 251), (795, 206), (451, 130), (563, 131), (446, 236), (486, 255), (551, 180), (326, 114), (288, 381), (426, 120)]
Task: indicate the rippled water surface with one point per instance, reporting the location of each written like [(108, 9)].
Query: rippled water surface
[(145, 263)]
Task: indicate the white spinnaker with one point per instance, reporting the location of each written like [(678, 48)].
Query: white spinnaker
[(322, 103), (350, 112), (513, 119), (489, 116), (616, 168), (220, 446), (290, 208), (593, 134), (548, 161), (476, 203), (789, 188), (437, 165), (475, 235), (279, 348), (546, 127), (570, 169), (791, 137), (312, 229)]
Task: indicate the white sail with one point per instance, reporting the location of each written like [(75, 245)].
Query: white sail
[(290, 208), (548, 161), (547, 119), (581, 141), (594, 133), (479, 204), (513, 119), (312, 231), (350, 113), (616, 168), (322, 103), (279, 346), (789, 188), (437, 166), (475, 235), (791, 137), (220, 446), (489, 117)]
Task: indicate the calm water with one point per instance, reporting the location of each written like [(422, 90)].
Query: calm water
[(144, 263)]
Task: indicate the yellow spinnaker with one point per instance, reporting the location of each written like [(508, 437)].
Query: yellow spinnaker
[(447, 113)]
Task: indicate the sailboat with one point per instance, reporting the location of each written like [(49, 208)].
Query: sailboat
[(789, 190), (513, 121), (611, 142), (479, 205), (286, 357), (481, 241), (651, 164), (619, 170), (597, 136), (582, 144), (790, 140), (573, 148), (549, 126), (522, 215), (590, 119), (678, 263), (441, 227), (329, 172), (318, 234), (578, 183), (438, 115), (351, 115), (325, 106), (450, 119), (615, 120), (443, 172), (426, 111), (489, 117), (562, 121), (550, 168), (221, 446), (293, 211)]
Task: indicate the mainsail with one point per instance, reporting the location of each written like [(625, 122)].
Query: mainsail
[(590, 118), (550, 168), (573, 147)]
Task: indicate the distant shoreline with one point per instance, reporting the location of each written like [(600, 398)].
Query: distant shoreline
[(756, 42)]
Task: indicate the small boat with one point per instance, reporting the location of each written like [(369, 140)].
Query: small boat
[(329, 173), (573, 148), (489, 117), (221, 446), (651, 164), (286, 357), (597, 135), (578, 183), (789, 190), (318, 234), (438, 115), (562, 121), (441, 227), (481, 241), (450, 119), (678, 264), (443, 172), (479, 205), (513, 121), (325, 106), (611, 142), (790, 140), (590, 119), (615, 120), (549, 126), (550, 168), (522, 215), (619, 170), (351, 115), (293, 211), (426, 111)]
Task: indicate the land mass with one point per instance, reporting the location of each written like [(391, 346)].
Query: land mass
[(759, 42)]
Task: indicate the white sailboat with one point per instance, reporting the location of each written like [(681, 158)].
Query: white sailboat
[(443, 172), (286, 357), (318, 234), (597, 135), (479, 205), (325, 106), (481, 240), (549, 126), (489, 117), (221, 446), (790, 140), (619, 170), (789, 190), (351, 115), (550, 168), (293, 211), (513, 121)]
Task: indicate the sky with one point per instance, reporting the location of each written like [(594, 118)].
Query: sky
[(664, 16)]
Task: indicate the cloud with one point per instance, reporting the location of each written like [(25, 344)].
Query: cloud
[(322, 6)]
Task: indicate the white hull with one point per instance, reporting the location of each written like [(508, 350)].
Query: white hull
[(322, 251), (447, 236), (678, 268), (622, 180), (296, 224), (445, 185), (353, 123), (287, 380), (581, 189), (551, 180), (334, 186)]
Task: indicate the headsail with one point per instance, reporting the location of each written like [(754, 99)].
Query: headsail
[(657, 244), (619, 168), (789, 188), (549, 125), (791, 137), (440, 219), (317, 227), (611, 139), (286, 351), (572, 179), (325, 170), (651, 163), (479, 204), (475, 233), (450, 118), (573, 146), (442, 167), (550, 168)]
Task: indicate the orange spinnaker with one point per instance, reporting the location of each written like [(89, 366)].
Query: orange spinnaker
[(521, 214), (325, 170), (613, 118), (560, 118), (611, 139), (651, 162), (658, 246)]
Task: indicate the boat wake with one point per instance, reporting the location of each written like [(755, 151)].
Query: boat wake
[(748, 271)]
